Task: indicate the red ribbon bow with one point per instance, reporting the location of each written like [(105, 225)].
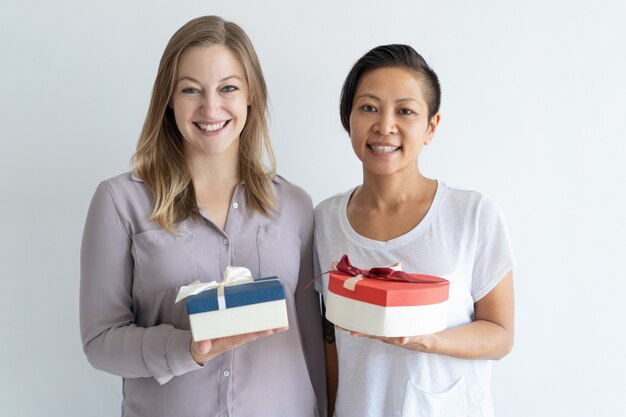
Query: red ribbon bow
[(385, 273)]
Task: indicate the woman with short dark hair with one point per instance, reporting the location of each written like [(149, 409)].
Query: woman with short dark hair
[(390, 108)]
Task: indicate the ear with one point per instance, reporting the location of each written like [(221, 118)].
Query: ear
[(432, 128)]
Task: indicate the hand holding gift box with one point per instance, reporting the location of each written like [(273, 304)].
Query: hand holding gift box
[(237, 305), (386, 301)]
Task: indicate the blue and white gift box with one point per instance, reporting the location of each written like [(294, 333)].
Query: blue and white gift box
[(237, 305)]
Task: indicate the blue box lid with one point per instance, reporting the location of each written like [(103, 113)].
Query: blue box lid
[(261, 290)]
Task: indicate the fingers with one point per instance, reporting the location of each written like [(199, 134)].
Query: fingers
[(205, 350), (248, 337), (231, 342), (398, 341)]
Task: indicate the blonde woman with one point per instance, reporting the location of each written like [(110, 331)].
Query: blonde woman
[(199, 199)]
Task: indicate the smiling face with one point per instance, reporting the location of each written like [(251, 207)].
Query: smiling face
[(210, 100), (389, 122)]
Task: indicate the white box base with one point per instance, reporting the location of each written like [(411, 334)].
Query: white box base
[(393, 321), (238, 320)]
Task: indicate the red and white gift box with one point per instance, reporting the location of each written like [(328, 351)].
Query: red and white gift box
[(385, 301)]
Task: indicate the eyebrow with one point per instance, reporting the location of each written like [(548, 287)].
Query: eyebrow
[(186, 77), (374, 97)]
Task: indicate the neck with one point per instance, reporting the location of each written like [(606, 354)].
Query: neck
[(215, 171), (381, 192)]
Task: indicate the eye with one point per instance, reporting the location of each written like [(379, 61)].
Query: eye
[(190, 90), (406, 112), (229, 89), (368, 108)]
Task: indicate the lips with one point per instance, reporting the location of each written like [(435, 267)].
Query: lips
[(211, 127)]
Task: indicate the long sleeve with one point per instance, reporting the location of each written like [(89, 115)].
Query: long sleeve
[(111, 340)]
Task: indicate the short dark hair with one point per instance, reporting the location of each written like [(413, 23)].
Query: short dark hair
[(385, 56)]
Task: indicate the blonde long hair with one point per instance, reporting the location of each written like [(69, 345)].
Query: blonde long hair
[(160, 159)]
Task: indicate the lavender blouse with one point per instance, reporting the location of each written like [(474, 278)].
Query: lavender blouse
[(131, 270)]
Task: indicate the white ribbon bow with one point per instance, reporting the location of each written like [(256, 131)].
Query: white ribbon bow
[(233, 275)]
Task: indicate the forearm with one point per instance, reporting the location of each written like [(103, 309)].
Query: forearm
[(332, 364), (489, 336), (161, 352), (477, 340)]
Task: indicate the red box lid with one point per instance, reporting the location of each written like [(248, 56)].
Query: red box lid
[(391, 293)]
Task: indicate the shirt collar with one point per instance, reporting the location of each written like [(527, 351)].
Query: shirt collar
[(136, 178)]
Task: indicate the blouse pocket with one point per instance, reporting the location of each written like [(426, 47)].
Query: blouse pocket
[(279, 254), (164, 260), (422, 403)]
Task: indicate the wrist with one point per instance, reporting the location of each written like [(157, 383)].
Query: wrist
[(426, 343)]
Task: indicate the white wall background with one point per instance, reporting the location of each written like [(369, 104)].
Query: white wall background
[(533, 114)]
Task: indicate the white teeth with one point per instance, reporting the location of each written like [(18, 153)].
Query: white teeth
[(211, 127), (382, 148)]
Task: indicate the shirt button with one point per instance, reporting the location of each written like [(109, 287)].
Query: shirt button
[(226, 374), (235, 205), (224, 414), (225, 241)]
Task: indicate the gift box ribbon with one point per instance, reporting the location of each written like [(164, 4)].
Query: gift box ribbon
[(388, 273), (233, 275)]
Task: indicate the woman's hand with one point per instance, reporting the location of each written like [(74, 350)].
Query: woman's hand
[(418, 343), (489, 336), (205, 350)]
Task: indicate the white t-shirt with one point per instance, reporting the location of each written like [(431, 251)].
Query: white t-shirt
[(462, 238)]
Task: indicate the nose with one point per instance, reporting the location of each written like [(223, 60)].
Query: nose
[(386, 124), (211, 105)]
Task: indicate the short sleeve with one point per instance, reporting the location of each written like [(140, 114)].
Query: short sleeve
[(494, 254)]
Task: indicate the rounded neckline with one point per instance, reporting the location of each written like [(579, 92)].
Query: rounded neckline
[(396, 241)]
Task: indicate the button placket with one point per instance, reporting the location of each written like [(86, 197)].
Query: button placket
[(225, 383)]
